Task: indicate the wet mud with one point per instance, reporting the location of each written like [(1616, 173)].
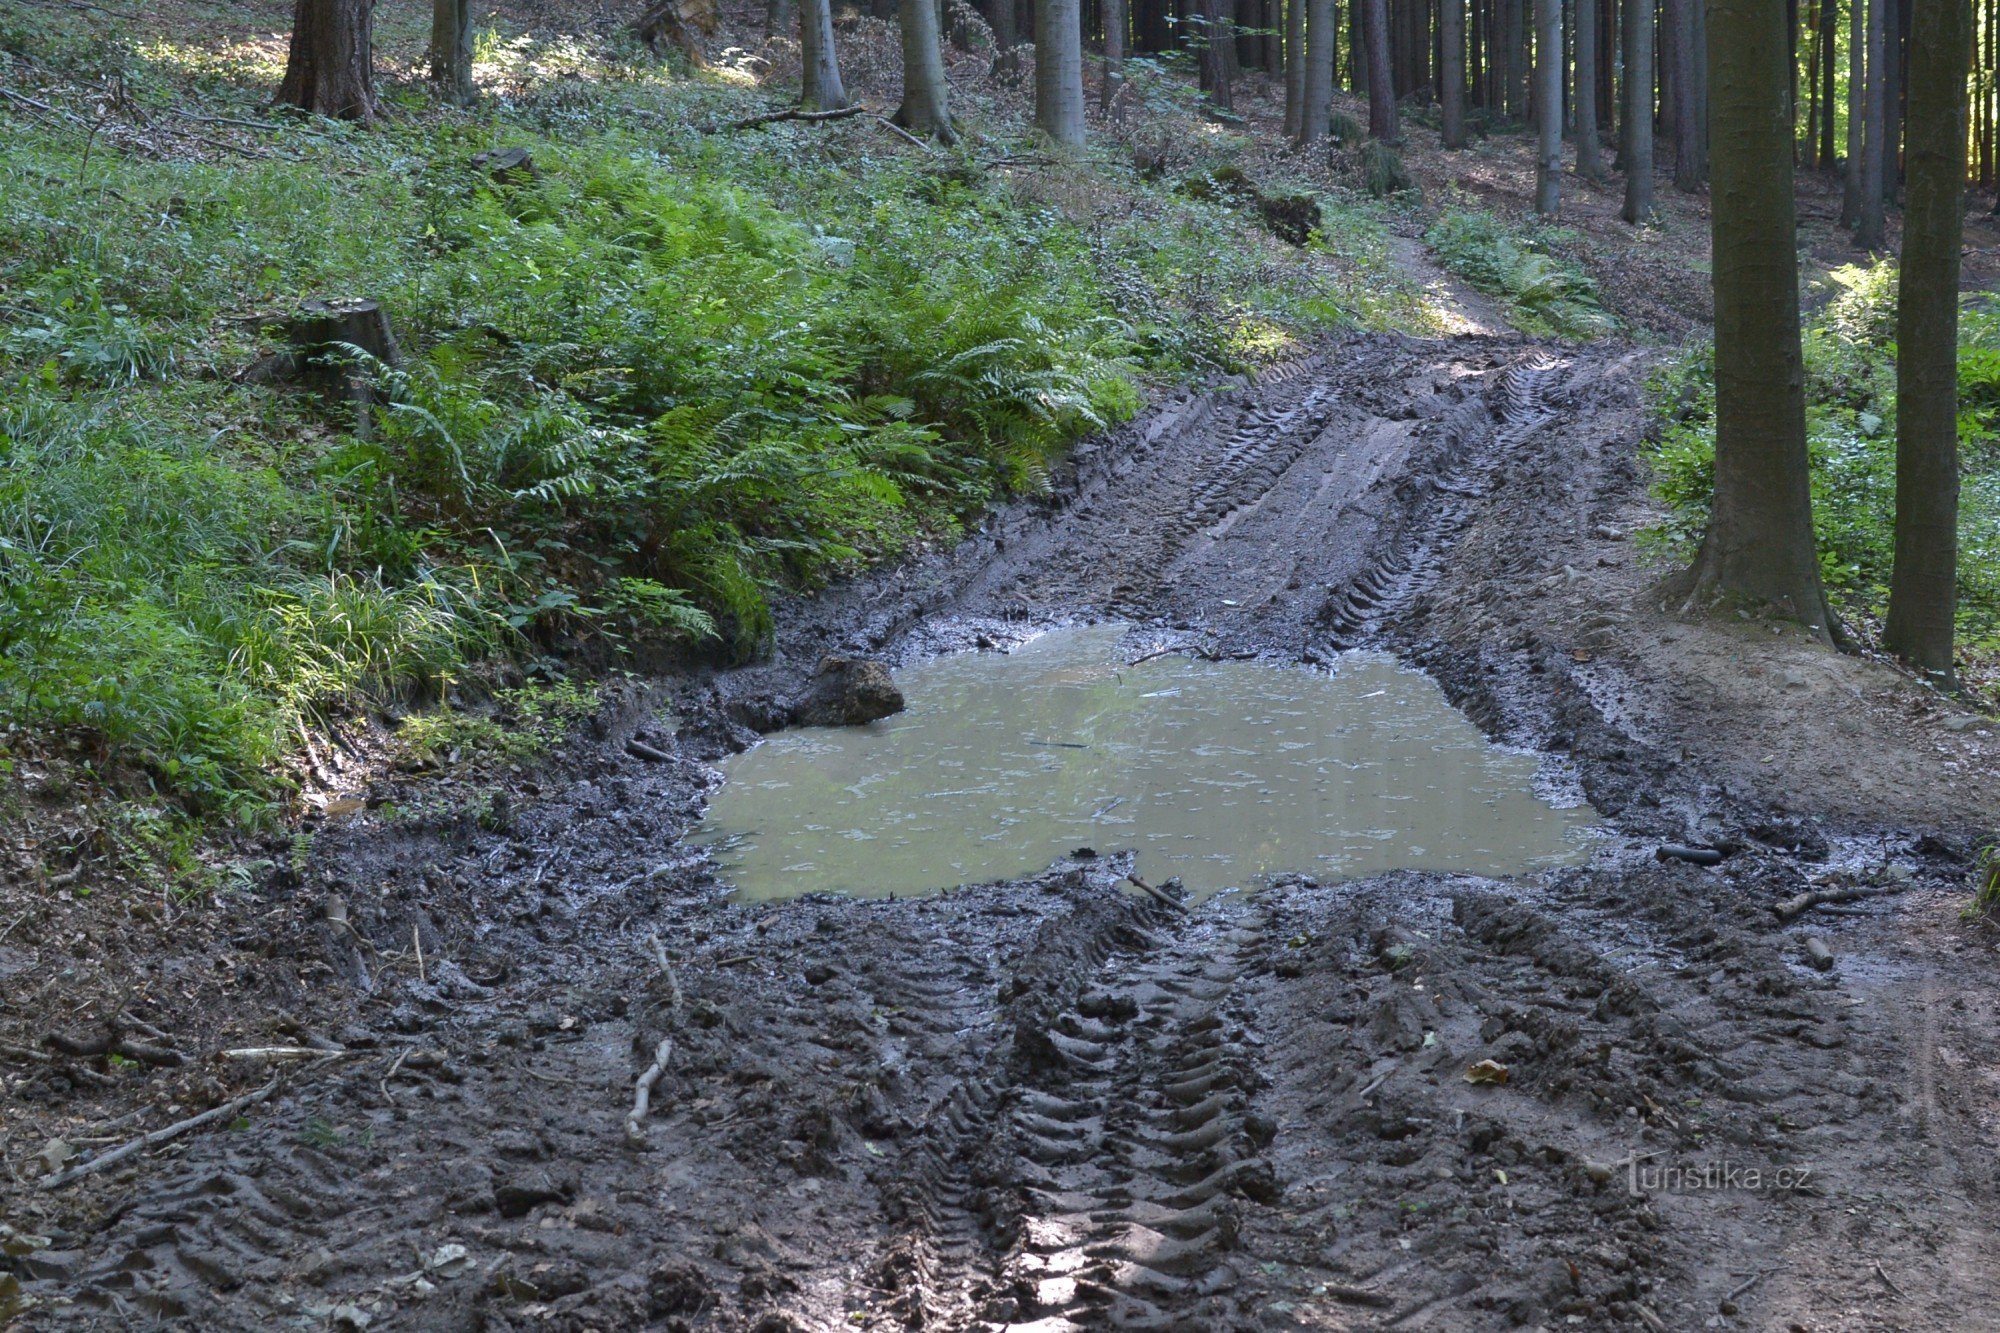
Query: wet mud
[(1413, 1099)]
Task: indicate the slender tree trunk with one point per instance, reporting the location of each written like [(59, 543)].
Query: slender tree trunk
[(1517, 57), (1868, 233), (1829, 17), (1892, 98), (821, 90), (1857, 83), (1626, 64), (1687, 106), (1295, 67), (1923, 590), (1815, 52), (1218, 40), (924, 112), (1322, 40), (1059, 71), (451, 50), (1451, 28), (331, 68), (1639, 111), (780, 17), (1381, 83), (1548, 107), (1114, 50), (1759, 543), (1589, 149), (1357, 47)]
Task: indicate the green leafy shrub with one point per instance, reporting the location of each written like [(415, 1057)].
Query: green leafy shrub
[(1545, 292)]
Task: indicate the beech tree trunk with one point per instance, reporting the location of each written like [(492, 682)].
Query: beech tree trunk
[(1114, 51), (1639, 111), (924, 111), (1322, 41), (1381, 82), (331, 68), (821, 89), (1923, 590), (451, 50), (1451, 95), (1059, 71), (1759, 544), (1548, 107), (1869, 230), (1589, 149)]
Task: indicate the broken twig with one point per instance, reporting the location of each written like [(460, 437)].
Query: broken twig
[(103, 1160), (792, 113), (1805, 902), (1159, 894), (642, 1092), (666, 973)]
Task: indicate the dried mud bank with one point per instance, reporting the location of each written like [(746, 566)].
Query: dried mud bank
[(1053, 1103)]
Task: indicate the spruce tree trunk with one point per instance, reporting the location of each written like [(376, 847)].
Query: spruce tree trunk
[(1923, 590), (1548, 107), (1059, 71), (1295, 67), (1686, 119), (1517, 57), (822, 90), (1218, 44), (1451, 29), (1114, 51), (1857, 81), (1381, 83), (1868, 231), (1322, 39), (451, 50), (1829, 18), (780, 17), (1589, 149), (1759, 543), (331, 69), (1639, 111), (924, 111)]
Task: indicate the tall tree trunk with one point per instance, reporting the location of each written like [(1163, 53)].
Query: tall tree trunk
[(1868, 232), (1114, 50), (1857, 83), (1357, 47), (1295, 67), (451, 50), (1639, 111), (1627, 63), (1381, 83), (1059, 71), (1893, 12), (331, 68), (1923, 590), (1759, 543), (1829, 17), (1687, 105), (1548, 107), (780, 17), (924, 111), (1218, 42), (1451, 28), (821, 89), (1517, 57), (1322, 40), (1815, 52), (1589, 149)]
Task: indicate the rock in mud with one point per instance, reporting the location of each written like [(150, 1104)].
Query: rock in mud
[(848, 692)]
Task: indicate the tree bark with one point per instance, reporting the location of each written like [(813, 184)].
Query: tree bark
[(1759, 543), (924, 111), (1548, 107), (1829, 17), (1059, 71), (1688, 167), (1589, 148), (1857, 82), (1381, 83), (1923, 590), (1218, 44), (780, 16), (1322, 40), (1868, 232), (1451, 28), (821, 90), (1639, 111), (331, 68), (451, 50), (1114, 51), (1295, 67)]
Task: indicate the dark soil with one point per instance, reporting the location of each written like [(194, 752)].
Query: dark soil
[(1056, 1103)]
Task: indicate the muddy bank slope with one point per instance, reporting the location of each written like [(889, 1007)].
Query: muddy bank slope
[(1055, 1104)]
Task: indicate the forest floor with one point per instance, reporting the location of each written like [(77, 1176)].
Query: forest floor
[(1054, 1103)]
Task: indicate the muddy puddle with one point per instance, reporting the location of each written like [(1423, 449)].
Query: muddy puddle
[(1220, 773)]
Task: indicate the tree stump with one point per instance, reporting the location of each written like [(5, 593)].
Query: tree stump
[(323, 337)]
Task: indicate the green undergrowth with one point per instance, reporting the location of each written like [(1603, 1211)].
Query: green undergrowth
[(1527, 267), (670, 375), (1851, 433)]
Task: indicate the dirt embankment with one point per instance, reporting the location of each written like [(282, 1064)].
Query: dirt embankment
[(1051, 1103)]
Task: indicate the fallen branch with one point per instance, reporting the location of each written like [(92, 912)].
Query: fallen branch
[(1805, 902), (1361, 1296), (13, 1052), (159, 1136), (1159, 895), (642, 1092), (791, 113), (224, 120), (903, 134), (652, 754), (1747, 1283), (279, 1053), (667, 972), (1886, 1282)]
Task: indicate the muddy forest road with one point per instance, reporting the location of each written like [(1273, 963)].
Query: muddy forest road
[(1057, 1104)]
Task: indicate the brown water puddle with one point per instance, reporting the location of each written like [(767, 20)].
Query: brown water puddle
[(1220, 773)]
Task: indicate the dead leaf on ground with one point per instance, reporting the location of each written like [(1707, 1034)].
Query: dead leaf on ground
[(1487, 1071)]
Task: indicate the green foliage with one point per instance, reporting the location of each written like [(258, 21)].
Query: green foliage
[(1545, 291), (522, 725), (1344, 129), (1383, 172), (1851, 437)]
